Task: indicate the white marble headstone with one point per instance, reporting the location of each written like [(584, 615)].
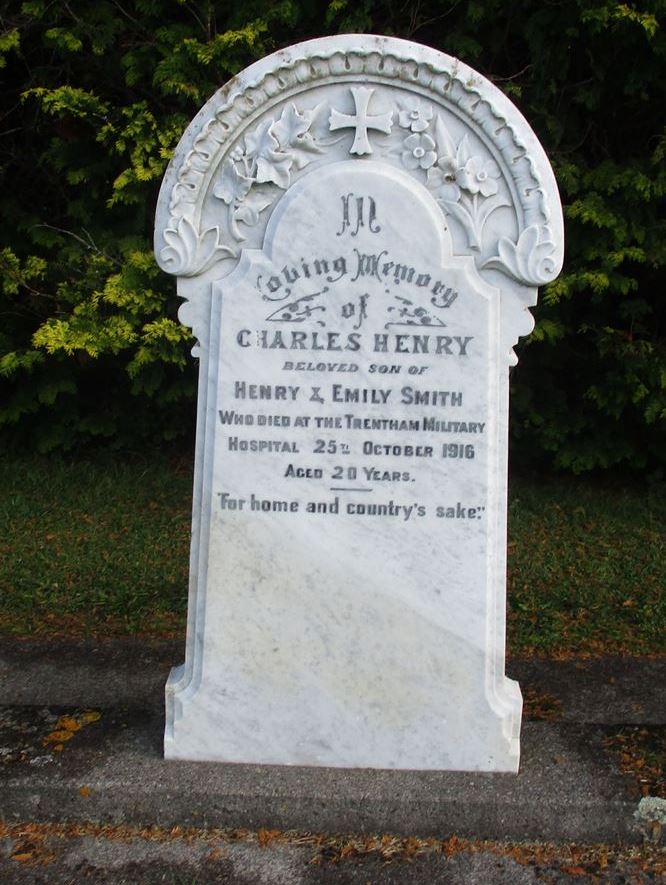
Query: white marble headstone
[(358, 226)]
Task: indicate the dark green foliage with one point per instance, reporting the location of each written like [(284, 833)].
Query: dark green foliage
[(96, 95)]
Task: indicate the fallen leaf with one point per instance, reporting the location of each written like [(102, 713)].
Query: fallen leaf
[(62, 735), (265, 837)]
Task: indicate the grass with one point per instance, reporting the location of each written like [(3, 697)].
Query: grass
[(587, 571), (101, 548), (94, 546)]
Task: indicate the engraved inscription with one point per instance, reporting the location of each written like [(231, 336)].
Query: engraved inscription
[(298, 413), (354, 215)]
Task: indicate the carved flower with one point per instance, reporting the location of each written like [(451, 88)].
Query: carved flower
[(415, 117), (418, 152), (442, 178), (479, 176)]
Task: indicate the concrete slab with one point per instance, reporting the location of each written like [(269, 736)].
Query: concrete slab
[(112, 770), (613, 690)]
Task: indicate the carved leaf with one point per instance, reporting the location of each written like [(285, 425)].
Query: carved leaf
[(261, 142), (182, 243), (188, 253), (249, 210), (275, 170), (528, 261), (461, 213), (291, 131), (247, 215), (445, 145), (487, 208), (463, 152), (317, 119), (231, 185), (289, 127), (272, 165)]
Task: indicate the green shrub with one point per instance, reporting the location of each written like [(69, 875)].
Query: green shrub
[(96, 96)]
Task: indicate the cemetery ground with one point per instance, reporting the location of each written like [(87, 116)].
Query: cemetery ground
[(93, 591), (100, 548)]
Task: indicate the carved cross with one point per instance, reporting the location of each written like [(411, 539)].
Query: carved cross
[(361, 121)]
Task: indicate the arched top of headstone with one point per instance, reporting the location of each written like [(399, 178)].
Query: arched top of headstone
[(362, 98)]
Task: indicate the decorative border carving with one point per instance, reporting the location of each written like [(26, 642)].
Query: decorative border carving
[(535, 258)]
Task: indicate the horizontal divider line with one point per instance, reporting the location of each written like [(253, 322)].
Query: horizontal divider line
[(341, 489)]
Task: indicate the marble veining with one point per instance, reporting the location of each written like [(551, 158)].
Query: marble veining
[(358, 226)]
